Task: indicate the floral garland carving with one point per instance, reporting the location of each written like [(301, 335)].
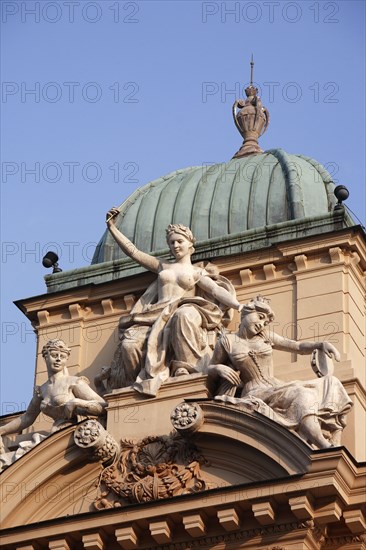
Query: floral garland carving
[(157, 467)]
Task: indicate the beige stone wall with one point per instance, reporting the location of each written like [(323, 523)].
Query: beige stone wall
[(317, 290)]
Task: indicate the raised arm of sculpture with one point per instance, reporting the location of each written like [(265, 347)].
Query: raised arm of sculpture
[(172, 316), (146, 260), (23, 421), (183, 276), (315, 409)]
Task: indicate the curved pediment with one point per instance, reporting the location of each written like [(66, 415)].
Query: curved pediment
[(54, 479), (226, 447), (245, 445)]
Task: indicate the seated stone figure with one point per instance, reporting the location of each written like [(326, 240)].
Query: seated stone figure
[(166, 332), (62, 397), (315, 409)]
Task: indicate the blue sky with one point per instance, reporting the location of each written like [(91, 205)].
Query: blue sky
[(99, 98)]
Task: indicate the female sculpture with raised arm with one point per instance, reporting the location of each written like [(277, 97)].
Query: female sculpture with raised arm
[(166, 332), (62, 397), (315, 409)]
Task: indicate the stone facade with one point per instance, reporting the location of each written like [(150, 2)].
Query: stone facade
[(254, 484)]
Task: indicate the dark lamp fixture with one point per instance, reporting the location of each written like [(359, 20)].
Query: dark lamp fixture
[(341, 192), (50, 260)]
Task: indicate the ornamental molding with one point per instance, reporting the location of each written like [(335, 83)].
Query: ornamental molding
[(336, 542), (93, 438), (243, 424), (349, 240), (187, 418), (240, 536)]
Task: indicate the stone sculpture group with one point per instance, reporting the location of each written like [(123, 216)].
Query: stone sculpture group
[(179, 327)]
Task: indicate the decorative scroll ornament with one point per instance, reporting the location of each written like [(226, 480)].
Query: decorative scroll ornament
[(157, 467), (91, 436), (251, 120)]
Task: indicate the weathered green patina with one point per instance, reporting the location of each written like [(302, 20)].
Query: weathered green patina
[(223, 199), (246, 204)]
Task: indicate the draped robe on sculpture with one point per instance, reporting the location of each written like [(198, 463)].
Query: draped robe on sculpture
[(156, 339), (285, 402)]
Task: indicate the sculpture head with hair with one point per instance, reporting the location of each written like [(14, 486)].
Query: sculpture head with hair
[(55, 344), (180, 230), (261, 304)]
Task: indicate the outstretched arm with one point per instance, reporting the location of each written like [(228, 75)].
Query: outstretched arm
[(23, 421), (304, 348), (150, 262), (221, 294)]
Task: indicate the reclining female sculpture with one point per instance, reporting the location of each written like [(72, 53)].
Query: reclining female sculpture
[(166, 332), (315, 409), (62, 397)]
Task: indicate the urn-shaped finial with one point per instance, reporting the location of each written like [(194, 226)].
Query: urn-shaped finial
[(251, 119)]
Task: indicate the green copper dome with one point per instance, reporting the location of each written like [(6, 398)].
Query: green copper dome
[(223, 200)]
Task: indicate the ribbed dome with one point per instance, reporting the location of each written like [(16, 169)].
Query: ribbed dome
[(223, 199)]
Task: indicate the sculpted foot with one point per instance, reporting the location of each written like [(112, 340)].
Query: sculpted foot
[(310, 431)]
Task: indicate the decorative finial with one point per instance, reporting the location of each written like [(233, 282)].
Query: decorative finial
[(251, 120), (251, 71)]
